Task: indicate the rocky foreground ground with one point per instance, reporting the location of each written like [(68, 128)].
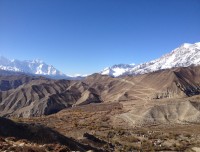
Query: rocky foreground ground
[(95, 126)]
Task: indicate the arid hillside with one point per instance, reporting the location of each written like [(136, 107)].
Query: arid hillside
[(35, 137), (45, 96), (106, 125), (170, 83), (150, 112), (26, 96)]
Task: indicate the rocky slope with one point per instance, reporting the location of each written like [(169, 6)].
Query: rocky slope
[(170, 83), (125, 126), (183, 56), (36, 97), (25, 96), (34, 137)]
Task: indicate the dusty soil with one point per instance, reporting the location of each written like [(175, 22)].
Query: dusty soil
[(94, 125)]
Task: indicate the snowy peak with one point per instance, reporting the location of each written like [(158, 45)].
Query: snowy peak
[(186, 45), (197, 44), (37, 67), (117, 70), (185, 55)]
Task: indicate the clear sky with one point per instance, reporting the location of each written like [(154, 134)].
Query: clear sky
[(85, 36)]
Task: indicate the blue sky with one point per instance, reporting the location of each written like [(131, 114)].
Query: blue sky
[(85, 36)]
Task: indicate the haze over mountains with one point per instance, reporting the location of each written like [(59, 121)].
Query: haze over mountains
[(183, 56)]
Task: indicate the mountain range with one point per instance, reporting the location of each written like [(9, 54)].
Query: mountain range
[(35, 67), (183, 56), (27, 96), (147, 107)]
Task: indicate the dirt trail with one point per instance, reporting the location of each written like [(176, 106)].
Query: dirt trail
[(141, 93)]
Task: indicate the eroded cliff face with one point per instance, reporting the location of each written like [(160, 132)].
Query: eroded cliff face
[(178, 90)]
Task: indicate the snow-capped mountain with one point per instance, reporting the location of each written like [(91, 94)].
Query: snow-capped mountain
[(37, 67), (183, 56), (118, 69)]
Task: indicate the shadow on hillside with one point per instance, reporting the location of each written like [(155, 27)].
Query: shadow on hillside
[(38, 134)]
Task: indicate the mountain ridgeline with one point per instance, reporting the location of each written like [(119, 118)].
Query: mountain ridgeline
[(183, 56), (175, 75), (34, 67), (42, 96), (26, 96)]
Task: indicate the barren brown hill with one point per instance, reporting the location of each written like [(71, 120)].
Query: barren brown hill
[(45, 96), (108, 126), (170, 83), (41, 96), (8, 82), (157, 97)]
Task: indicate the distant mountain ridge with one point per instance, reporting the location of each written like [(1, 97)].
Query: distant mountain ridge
[(36, 67), (183, 56)]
